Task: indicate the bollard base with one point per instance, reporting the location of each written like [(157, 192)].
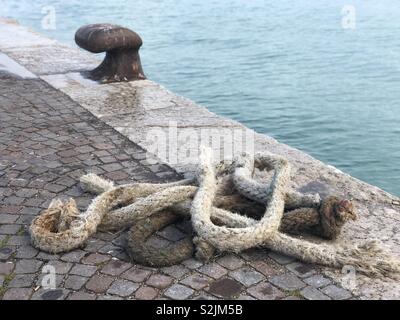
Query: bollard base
[(118, 65)]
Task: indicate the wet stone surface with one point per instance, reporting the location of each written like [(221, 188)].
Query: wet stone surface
[(47, 142)]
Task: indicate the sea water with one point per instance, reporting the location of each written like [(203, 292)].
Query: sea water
[(320, 75)]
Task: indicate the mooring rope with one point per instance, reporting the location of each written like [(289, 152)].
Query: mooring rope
[(218, 207)]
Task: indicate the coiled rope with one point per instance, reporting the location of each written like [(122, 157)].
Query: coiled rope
[(221, 191)]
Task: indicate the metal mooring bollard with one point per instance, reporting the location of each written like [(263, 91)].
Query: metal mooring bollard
[(122, 61)]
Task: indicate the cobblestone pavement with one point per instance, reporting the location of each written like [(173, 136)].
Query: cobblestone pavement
[(47, 142)]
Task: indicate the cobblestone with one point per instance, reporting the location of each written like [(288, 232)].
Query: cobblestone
[(17, 294), (95, 259), (317, 281), (9, 229), (287, 281), (300, 269), (22, 281), (159, 281), (115, 268), (254, 254), (94, 245), (230, 262), (146, 293), (178, 292), (73, 256), (311, 293), (280, 258), (26, 252), (75, 282), (265, 268), (60, 266), (213, 270), (266, 291), (192, 263), (136, 274), (6, 253), (6, 267), (45, 294), (28, 266), (247, 276), (47, 256), (245, 297), (204, 296), (292, 298), (176, 271), (108, 297), (83, 270), (81, 296), (225, 288), (336, 292), (123, 288), (196, 281), (19, 241), (8, 218), (43, 281), (99, 284)]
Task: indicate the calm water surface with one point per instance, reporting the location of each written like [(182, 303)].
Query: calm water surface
[(287, 69)]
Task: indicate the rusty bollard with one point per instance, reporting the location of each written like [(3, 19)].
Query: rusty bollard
[(122, 60)]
